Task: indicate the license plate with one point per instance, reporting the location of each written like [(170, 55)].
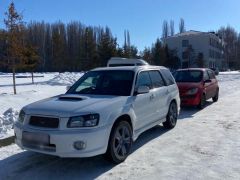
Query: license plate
[(35, 138)]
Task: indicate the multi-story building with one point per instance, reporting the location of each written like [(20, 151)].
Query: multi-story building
[(195, 48)]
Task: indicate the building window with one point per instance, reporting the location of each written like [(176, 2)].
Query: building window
[(185, 43)]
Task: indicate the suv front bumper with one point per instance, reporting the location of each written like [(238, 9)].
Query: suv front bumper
[(61, 142)]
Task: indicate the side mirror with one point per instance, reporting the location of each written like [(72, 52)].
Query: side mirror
[(208, 81), (142, 90), (68, 87)]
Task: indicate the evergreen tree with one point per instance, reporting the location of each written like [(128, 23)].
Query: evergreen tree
[(159, 56), (107, 46), (147, 55), (14, 26), (30, 59)]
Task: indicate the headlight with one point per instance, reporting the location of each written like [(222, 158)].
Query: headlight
[(21, 116), (88, 120), (192, 91)]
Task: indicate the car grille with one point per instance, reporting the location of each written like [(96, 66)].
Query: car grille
[(46, 122)]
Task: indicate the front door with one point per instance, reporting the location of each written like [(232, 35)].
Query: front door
[(143, 104)]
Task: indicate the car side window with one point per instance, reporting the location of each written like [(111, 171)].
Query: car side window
[(205, 76), (143, 79), (211, 74), (157, 80), (167, 77)]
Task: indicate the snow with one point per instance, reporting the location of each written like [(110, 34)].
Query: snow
[(66, 79), (7, 120), (229, 72), (204, 145), (50, 84)]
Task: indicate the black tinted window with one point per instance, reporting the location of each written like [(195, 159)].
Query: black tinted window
[(118, 83), (167, 76), (156, 78), (188, 76), (144, 80), (116, 65)]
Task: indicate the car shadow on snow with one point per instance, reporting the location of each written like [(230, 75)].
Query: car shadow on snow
[(188, 112), (30, 165)]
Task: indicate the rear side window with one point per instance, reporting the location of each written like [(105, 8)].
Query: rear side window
[(206, 76), (144, 80), (167, 77), (211, 74), (157, 80)]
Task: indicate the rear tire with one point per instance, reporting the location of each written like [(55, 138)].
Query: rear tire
[(202, 102), (171, 116), (215, 98), (120, 142)]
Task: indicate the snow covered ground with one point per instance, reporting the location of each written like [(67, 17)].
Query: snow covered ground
[(204, 145), (50, 85)]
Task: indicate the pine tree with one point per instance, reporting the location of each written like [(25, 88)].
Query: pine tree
[(107, 46), (158, 53), (14, 26), (30, 59), (147, 55)]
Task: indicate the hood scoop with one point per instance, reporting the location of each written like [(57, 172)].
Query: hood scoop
[(71, 98)]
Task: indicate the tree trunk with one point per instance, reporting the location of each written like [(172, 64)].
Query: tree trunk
[(14, 82), (32, 78)]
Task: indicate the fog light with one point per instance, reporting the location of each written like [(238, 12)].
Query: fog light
[(79, 145)]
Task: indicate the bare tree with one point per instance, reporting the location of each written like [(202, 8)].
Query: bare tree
[(172, 30), (182, 26), (165, 29), (229, 36)]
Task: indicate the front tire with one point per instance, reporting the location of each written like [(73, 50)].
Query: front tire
[(120, 142), (171, 116), (202, 102), (215, 98)]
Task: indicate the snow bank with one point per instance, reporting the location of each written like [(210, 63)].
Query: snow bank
[(64, 79), (228, 77), (6, 121), (230, 72)]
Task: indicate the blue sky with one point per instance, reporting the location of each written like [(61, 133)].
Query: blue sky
[(143, 18)]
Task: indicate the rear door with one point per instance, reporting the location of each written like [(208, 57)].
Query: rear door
[(172, 89), (207, 85), (213, 85), (160, 95)]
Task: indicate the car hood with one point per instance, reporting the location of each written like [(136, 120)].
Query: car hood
[(70, 105)]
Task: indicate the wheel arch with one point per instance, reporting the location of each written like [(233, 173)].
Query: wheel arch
[(123, 117)]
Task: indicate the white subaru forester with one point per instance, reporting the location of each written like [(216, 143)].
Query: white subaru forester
[(102, 113)]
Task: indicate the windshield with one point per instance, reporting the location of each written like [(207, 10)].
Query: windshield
[(109, 82), (188, 76)]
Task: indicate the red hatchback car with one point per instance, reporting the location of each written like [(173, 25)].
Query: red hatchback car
[(196, 85)]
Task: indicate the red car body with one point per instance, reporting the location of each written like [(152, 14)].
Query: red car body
[(194, 92)]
